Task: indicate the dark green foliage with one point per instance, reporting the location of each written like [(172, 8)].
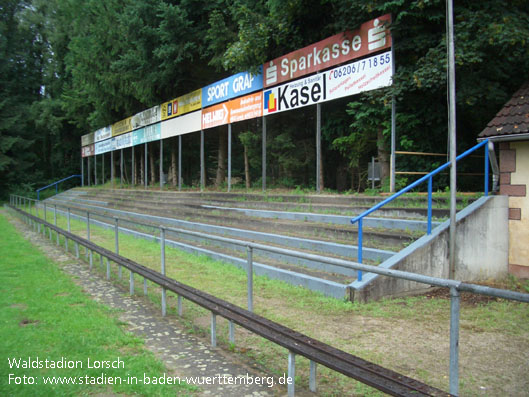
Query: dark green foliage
[(68, 67)]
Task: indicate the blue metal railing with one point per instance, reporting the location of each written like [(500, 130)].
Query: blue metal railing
[(428, 178), (56, 183)]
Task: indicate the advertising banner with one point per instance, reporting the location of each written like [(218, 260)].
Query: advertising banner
[(146, 134), (87, 139), (103, 133), (122, 141), (104, 146), (215, 116), (88, 151), (122, 126), (360, 76), (149, 116), (296, 94), (231, 87), (371, 37), (185, 124), (246, 107), (138, 136), (182, 105), (153, 132)]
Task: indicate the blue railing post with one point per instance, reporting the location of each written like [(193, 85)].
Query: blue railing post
[(486, 169), (429, 231), (359, 252)]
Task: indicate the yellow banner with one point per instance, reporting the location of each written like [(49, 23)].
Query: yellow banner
[(122, 126), (182, 105)]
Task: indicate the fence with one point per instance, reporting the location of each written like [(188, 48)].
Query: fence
[(235, 314)]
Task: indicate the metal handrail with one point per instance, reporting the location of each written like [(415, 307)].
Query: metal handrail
[(428, 178), (56, 183)]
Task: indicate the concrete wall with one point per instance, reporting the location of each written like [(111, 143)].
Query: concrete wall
[(482, 252), (514, 176)]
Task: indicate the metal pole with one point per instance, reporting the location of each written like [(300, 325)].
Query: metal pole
[(146, 180), (452, 129), (454, 341), (249, 270), (161, 164), (88, 161), (133, 167), (393, 130), (116, 243), (103, 168), (162, 249), (263, 159), (213, 329), (179, 162), (231, 332), (429, 220), (82, 172), (359, 248), (291, 373), (312, 376), (95, 169), (229, 157), (202, 162), (112, 168), (318, 147), (372, 173), (121, 168)]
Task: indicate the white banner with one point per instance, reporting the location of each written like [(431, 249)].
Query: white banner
[(182, 125), (103, 133), (149, 116), (296, 94), (104, 146), (360, 76), (123, 141)]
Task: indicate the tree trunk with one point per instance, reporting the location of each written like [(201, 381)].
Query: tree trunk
[(246, 167), (222, 155), (174, 148), (383, 156), (151, 164)]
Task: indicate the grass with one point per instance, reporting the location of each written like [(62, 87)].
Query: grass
[(45, 315), (404, 334)]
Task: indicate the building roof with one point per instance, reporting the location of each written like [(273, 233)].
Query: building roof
[(512, 121)]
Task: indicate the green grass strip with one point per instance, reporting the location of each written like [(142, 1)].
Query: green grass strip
[(45, 316)]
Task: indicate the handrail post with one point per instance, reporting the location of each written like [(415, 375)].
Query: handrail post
[(486, 170), (249, 252), (429, 231), (116, 241), (359, 248), (454, 341), (162, 254)]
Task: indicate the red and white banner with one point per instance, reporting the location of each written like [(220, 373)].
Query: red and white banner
[(372, 36)]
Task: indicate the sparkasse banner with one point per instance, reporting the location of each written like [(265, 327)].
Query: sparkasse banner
[(371, 37)]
